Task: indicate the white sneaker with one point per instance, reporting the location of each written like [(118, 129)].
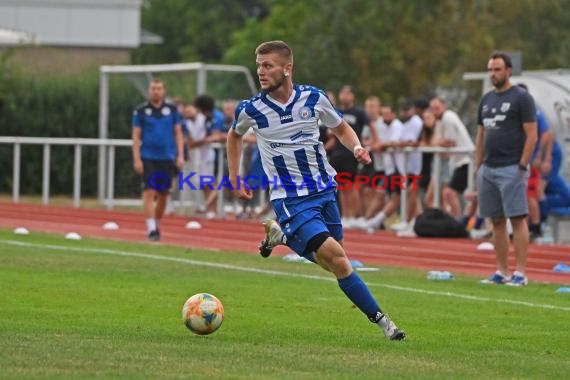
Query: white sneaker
[(400, 226), (349, 223), (408, 232), (274, 236), (391, 331), (496, 278), (518, 279), (360, 223), (368, 225), (480, 234)]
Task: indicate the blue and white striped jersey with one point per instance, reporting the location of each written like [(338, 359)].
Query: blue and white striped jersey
[(293, 158)]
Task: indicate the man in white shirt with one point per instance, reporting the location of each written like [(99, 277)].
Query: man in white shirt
[(394, 128), (412, 128), (201, 155), (451, 132)]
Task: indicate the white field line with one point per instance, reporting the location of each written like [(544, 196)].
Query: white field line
[(278, 273)]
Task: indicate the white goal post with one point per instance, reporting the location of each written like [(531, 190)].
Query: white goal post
[(201, 70)]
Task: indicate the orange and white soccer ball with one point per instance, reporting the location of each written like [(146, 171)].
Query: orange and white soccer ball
[(203, 313)]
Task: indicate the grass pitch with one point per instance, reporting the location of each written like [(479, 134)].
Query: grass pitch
[(100, 309)]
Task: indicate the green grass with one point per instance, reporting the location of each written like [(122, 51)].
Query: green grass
[(66, 313)]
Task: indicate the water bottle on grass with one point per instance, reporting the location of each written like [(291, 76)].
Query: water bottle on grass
[(439, 275)]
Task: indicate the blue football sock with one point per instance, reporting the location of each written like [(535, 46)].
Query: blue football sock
[(357, 291)]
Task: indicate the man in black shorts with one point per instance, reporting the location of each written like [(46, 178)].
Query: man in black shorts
[(158, 152)]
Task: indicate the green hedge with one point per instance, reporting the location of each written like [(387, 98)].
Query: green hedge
[(63, 106)]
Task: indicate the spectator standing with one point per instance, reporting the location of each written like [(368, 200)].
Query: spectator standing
[(214, 122), (343, 160), (451, 132), (373, 200), (158, 151), (393, 139), (506, 137), (427, 139), (411, 131)]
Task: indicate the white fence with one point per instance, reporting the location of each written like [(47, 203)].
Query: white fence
[(109, 147)]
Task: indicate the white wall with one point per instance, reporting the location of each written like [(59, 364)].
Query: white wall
[(87, 23)]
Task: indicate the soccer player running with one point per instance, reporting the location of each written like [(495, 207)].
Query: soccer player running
[(285, 120), (158, 152), (506, 137)]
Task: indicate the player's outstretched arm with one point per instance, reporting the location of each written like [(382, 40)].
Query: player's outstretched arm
[(349, 139), (234, 149)]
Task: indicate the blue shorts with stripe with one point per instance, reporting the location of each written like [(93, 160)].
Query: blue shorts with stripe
[(302, 218)]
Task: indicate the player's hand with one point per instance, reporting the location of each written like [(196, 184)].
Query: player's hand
[(180, 162), (138, 166), (362, 155), (244, 192)]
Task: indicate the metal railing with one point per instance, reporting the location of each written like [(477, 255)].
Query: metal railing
[(110, 146), (78, 143), (438, 152)]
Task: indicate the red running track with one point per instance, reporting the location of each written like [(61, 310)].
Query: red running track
[(382, 248)]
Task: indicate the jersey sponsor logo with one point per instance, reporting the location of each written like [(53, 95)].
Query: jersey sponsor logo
[(491, 122), (505, 107), (277, 145), (148, 111), (165, 111), (305, 113), (286, 118)]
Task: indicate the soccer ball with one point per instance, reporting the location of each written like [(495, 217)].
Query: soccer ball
[(203, 313)]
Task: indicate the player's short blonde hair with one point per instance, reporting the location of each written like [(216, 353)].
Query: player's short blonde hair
[(278, 47)]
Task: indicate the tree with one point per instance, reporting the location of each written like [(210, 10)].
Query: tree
[(197, 30), (401, 49)]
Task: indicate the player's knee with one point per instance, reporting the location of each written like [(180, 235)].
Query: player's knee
[(332, 255), (499, 222), (517, 221)]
